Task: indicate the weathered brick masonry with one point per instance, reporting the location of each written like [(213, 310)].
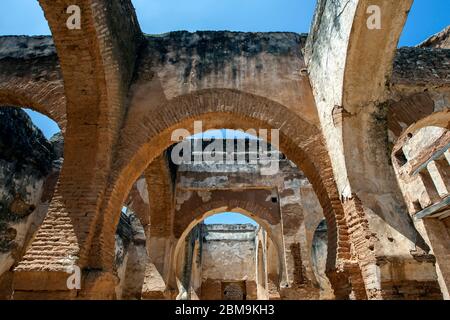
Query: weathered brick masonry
[(348, 104)]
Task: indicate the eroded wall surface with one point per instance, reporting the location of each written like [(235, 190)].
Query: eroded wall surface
[(29, 169), (344, 97)]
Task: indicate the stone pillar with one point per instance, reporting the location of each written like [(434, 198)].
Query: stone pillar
[(159, 251), (385, 272), (439, 237), (154, 287), (97, 76)]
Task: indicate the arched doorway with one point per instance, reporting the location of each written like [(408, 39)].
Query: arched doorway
[(225, 260)]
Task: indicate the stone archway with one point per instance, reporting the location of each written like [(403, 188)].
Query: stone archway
[(22, 85), (435, 119), (242, 207), (300, 141), (124, 97), (421, 167), (354, 121), (410, 172)]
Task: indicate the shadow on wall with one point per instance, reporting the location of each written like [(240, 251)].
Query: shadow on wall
[(29, 169), (319, 259)]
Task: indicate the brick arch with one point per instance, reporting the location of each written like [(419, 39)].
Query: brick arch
[(409, 110), (250, 209), (434, 119), (212, 208), (34, 84), (300, 141), (97, 63)]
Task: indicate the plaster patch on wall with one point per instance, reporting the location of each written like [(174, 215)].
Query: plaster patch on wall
[(185, 181), (141, 185), (346, 193), (181, 198)]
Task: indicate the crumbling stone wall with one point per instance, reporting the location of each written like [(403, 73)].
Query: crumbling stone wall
[(418, 129), (131, 256), (29, 168)]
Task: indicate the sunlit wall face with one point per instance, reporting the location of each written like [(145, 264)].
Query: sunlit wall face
[(47, 125)]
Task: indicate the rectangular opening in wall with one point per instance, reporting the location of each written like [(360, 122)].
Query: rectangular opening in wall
[(401, 158)]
